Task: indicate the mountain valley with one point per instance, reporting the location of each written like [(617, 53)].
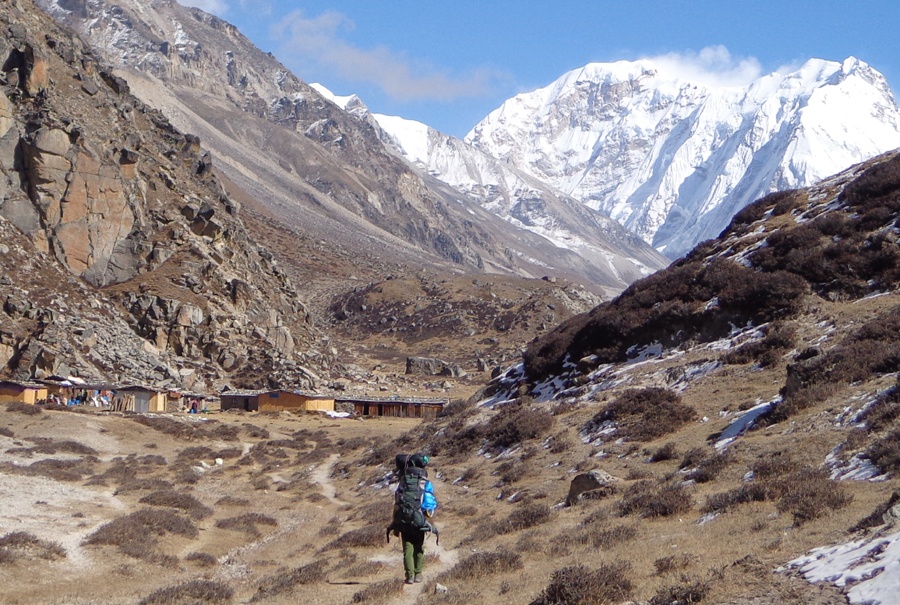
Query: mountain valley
[(177, 209)]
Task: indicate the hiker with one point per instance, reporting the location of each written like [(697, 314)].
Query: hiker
[(414, 504)]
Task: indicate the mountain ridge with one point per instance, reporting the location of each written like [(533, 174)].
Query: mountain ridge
[(673, 159)]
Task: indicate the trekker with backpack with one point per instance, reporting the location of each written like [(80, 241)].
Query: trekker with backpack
[(414, 504)]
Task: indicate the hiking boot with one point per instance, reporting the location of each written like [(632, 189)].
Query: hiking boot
[(408, 580), (418, 579)]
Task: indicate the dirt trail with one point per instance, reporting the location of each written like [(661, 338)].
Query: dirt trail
[(322, 476)]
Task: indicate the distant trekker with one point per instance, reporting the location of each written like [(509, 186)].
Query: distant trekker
[(414, 504)]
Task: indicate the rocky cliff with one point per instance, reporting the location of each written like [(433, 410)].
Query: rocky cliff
[(123, 258), (312, 165)]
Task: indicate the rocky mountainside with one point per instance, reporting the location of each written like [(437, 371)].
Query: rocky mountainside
[(315, 167), (123, 258), (518, 198), (673, 158)]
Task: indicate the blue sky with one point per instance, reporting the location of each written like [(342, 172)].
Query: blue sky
[(450, 63)]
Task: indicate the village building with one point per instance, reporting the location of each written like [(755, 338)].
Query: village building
[(280, 400), (23, 392), (395, 406), (140, 399)]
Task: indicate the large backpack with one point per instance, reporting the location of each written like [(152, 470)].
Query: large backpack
[(409, 496)]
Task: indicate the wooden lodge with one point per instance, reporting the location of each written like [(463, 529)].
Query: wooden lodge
[(140, 399), (23, 392), (395, 406), (280, 400)]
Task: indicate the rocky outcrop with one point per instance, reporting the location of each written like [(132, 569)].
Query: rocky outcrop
[(426, 366), (123, 259), (595, 484)]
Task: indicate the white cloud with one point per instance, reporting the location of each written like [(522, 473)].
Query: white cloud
[(712, 66), (318, 43), (214, 7)]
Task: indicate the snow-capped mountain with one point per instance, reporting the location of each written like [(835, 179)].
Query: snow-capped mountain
[(519, 198), (674, 159)]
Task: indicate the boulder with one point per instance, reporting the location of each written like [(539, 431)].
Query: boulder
[(592, 481), (427, 366)]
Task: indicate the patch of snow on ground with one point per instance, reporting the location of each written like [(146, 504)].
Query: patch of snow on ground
[(854, 469), (743, 422), (869, 567), (652, 351)]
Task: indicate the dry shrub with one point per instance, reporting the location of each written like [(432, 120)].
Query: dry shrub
[(778, 339), (23, 408), (209, 429), (670, 307), (872, 349), (60, 470), (709, 467), (523, 517), (673, 563), (232, 501), (23, 545), (193, 454), (515, 424), (688, 591), (247, 523), (608, 537), (364, 537), (253, 431), (349, 444), (693, 457), (6, 432), (142, 527), (285, 582), (48, 446), (134, 484), (884, 411), (202, 559), (650, 499), (512, 471), (805, 492), (643, 414), (364, 569), (380, 592), (195, 592), (664, 452), (483, 564), (885, 452), (178, 500), (580, 585)]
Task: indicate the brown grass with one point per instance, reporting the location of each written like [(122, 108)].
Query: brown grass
[(141, 528), (195, 592), (805, 492), (643, 414), (23, 408), (381, 592), (480, 565), (202, 559), (652, 499), (247, 523), (285, 582), (580, 585), (178, 500), (367, 536), (688, 590), (23, 545)]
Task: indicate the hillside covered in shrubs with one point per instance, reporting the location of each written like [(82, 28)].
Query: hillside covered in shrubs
[(836, 242)]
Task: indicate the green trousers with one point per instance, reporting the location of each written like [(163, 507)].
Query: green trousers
[(413, 552)]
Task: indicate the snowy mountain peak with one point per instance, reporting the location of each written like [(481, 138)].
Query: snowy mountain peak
[(673, 152)]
